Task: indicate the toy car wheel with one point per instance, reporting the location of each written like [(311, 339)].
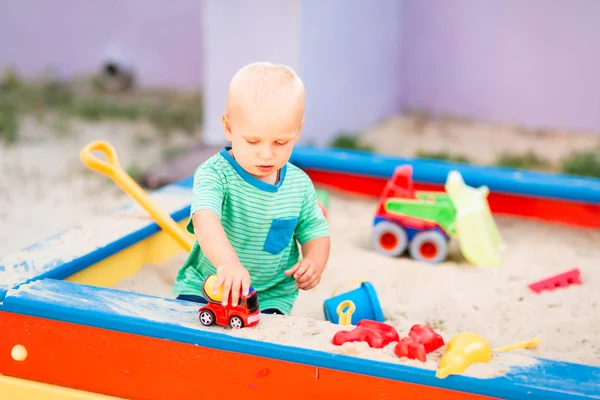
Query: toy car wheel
[(389, 238), (236, 322), (207, 318), (429, 246)]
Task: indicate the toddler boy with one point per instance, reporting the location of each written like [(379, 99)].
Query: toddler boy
[(250, 207)]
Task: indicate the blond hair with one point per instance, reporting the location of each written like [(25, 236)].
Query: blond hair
[(265, 84)]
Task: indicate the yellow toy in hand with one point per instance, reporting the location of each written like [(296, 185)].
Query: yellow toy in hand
[(209, 286)]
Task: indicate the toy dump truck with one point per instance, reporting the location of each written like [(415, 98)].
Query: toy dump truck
[(424, 222), (245, 314)]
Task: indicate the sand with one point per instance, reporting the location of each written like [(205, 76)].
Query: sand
[(451, 297), (481, 142), (44, 187)]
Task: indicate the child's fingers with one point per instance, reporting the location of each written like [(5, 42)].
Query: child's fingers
[(307, 280), (226, 289), (302, 268), (308, 274), (314, 281), (235, 291), (218, 282), (292, 270), (246, 284)]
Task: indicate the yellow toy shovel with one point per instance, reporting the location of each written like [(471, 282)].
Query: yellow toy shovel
[(467, 348), (113, 170)]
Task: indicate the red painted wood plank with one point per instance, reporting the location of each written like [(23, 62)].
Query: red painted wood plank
[(133, 366), (570, 213)]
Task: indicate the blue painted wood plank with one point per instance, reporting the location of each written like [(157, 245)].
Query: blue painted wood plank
[(506, 180), (175, 320)]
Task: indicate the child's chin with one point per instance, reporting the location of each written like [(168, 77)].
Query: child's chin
[(260, 174)]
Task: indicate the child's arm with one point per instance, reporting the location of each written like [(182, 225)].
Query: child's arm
[(317, 250), (208, 193), (312, 233), (215, 245)]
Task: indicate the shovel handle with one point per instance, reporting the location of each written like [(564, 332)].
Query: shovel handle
[(520, 345), (112, 169)]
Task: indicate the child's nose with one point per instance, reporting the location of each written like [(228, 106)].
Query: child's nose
[(265, 153)]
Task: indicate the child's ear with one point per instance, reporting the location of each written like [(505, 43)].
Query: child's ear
[(226, 126)]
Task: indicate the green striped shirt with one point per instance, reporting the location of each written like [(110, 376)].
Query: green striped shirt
[(263, 222)]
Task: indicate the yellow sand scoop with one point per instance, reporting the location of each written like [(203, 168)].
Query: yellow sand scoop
[(478, 237), (113, 170), (467, 348)]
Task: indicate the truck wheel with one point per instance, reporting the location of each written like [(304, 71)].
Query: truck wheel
[(236, 322), (429, 246), (389, 238), (207, 318)]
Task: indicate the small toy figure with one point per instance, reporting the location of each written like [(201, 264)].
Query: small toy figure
[(245, 314), (421, 340), (376, 334)]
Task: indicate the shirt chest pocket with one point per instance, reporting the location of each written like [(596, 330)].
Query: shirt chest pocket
[(280, 234)]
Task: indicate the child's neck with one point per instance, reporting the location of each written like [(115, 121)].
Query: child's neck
[(273, 179)]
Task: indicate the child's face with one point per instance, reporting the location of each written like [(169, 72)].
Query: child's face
[(262, 140)]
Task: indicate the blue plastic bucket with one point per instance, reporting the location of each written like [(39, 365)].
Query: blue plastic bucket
[(364, 298)]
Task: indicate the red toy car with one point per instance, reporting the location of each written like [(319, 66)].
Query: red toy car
[(245, 314)]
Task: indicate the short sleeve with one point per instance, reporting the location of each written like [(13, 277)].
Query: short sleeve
[(312, 223), (208, 192)]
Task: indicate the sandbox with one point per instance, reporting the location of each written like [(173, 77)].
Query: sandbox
[(451, 297), (128, 344)]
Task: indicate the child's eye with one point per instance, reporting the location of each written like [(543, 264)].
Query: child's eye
[(251, 141), (281, 143)]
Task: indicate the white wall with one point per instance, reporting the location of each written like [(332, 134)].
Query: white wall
[(347, 52), (350, 64), (238, 32)]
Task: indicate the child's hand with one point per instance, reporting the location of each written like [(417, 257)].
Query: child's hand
[(234, 278), (307, 274)]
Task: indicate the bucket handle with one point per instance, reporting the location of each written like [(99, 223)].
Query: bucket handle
[(335, 291), (345, 317)]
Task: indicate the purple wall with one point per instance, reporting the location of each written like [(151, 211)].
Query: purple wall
[(517, 61), (535, 62), (163, 41)]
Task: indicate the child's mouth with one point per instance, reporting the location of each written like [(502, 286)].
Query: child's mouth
[(265, 168)]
